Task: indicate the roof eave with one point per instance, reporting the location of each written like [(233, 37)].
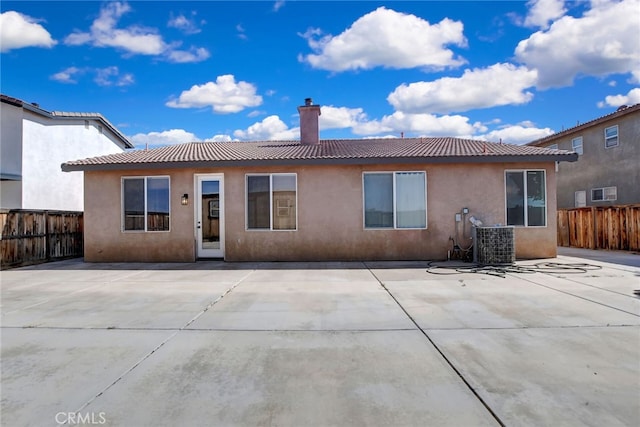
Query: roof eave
[(99, 118), (532, 158)]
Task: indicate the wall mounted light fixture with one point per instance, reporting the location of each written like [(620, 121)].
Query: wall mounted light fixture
[(185, 199)]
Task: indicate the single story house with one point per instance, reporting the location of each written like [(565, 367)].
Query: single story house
[(365, 199)]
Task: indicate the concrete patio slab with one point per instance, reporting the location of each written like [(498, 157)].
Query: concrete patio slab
[(512, 302), (336, 304), (552, 376), (213, 343), (51, 371), (293, 379), (153, 305), (615, 292)]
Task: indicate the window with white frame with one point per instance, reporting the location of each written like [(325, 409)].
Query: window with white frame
[(526, 198), (576, 145), (580, 198), (553, 146), (272, 201), (395, 200), (145, 203), (604, 194), (611, 136)]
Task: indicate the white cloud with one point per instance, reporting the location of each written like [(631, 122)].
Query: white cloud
[(172, 137), (18, 31), (388, 39), (135, 40), (542, 12), (110, 76), (278, 5), (603, 41), (241, 32), (499, 84), (68, 75), (631, 98), (420, 124), (195, 54), (517, 134), (269, 129), (184, 24), (224, 96), (340, 117), (167, 137), (219, 138)]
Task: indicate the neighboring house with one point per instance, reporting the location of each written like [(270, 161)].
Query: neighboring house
[(608, 170), (35, 142), (379, 199)]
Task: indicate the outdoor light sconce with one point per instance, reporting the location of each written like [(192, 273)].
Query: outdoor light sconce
[(185, 199)]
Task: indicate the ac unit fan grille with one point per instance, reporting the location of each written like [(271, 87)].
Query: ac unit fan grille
[(494, 245)]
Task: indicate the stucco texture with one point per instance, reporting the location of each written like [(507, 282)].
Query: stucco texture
[(330, 216)]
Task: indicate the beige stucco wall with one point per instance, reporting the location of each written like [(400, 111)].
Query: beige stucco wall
[(330, 216)]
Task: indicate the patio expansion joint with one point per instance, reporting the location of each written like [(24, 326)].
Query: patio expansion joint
[(435, 346), (162, 344)]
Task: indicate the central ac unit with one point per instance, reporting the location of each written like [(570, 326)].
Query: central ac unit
[(494, 245)]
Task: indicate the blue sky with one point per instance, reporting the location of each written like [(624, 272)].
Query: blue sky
[(167, 72)]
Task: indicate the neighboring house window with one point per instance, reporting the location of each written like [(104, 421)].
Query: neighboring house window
[(576, 144), (395, 199), (604, 194), (271, 202), (611, 136), (580, 199), (526, 198), (145, 203)]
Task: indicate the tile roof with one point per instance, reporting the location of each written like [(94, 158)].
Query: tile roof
[(355, 151), (33, 107), (621, 111)]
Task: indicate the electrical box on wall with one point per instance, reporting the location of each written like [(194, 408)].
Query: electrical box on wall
[(465, 210), (458, 217)]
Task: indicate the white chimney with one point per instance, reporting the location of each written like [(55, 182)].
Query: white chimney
[(309, 129)]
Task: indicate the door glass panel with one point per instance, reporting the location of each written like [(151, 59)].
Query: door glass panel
[(210, 205)]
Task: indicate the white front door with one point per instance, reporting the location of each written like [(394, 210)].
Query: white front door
[(210, 215)]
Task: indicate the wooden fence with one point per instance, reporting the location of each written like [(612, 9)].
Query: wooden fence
[(610, 227), (35, 236)]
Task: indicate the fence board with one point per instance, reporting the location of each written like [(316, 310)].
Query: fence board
[(34, 236), (606, 227)]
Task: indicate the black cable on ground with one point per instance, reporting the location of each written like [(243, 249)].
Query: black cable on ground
[(501, 270)]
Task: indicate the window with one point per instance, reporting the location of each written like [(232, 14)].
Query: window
[(395, 200), (526, 198), (553, 146), (580, 198), (271, 202), (604, 194), (576, 144), (145, 204), (611, 136)]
